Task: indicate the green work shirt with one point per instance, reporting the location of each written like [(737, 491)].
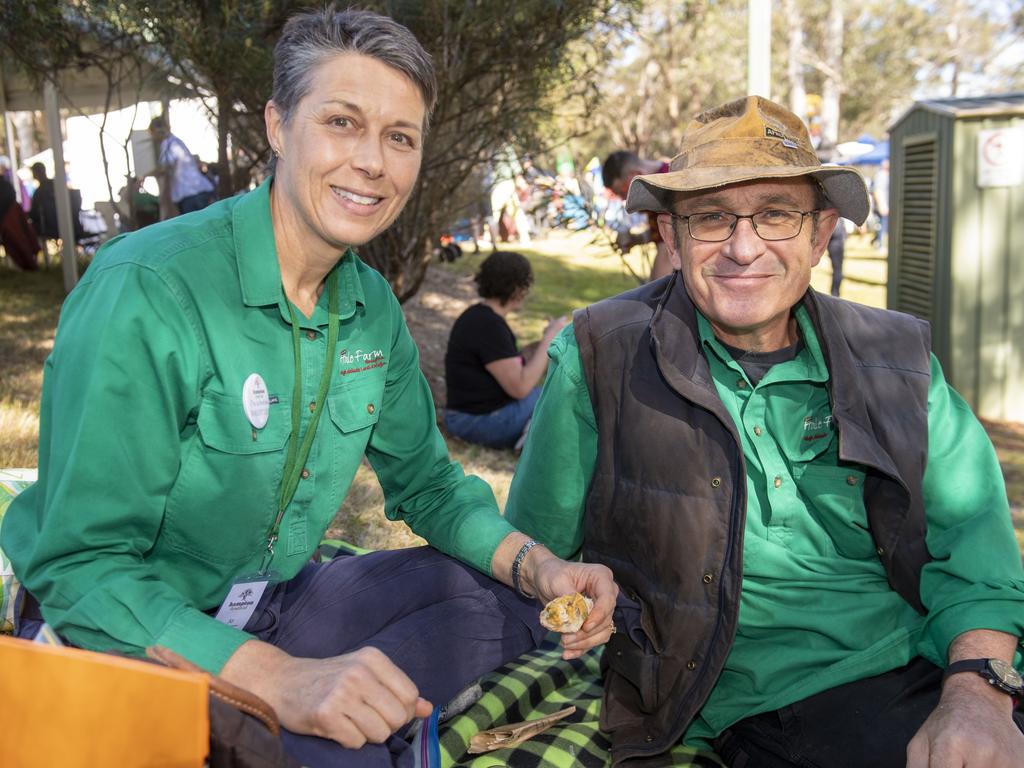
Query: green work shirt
[(155, 491), (816, 610)]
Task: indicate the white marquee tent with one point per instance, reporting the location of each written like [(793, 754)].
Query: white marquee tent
[(88, 90)]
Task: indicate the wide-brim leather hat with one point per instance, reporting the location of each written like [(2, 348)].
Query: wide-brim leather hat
[(746, 140)]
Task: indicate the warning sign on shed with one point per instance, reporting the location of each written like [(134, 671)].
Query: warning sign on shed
[(1001, 157)]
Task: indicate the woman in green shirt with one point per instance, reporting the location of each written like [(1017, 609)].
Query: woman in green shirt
[(215, 382)]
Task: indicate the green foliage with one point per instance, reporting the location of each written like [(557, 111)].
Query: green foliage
[(676, 58), (681, 56), (226, 47), (500, 68), (505, 72)]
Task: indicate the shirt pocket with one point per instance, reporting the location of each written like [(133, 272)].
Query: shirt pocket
[(835, 498), (354, 412), (226, 495), (357, 405)]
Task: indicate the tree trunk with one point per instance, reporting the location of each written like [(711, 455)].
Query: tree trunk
[(794, 64), (24, 128), (832, 88), (225, 177), (954, 31)]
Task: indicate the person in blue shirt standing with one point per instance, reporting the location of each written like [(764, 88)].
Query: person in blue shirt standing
[(190, 189)]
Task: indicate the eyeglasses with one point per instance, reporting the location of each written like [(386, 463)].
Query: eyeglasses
[(718, 226)]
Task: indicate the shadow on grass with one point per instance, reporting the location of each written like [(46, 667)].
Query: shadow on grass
[(30, 305)]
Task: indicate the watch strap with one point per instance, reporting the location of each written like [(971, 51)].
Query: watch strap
[(965, 665)]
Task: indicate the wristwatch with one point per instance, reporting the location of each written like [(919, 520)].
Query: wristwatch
[(999, 674)]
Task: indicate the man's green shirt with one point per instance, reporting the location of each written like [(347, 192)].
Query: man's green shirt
[(155, 491), (816, 610)]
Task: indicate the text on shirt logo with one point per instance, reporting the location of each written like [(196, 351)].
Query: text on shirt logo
[(816, 428), (361, 360)]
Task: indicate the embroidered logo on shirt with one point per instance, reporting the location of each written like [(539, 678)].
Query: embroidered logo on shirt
[(361, 360), (815, 428)]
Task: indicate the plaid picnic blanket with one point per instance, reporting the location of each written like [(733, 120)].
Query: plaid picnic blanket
[(12, 482), (540, 683)]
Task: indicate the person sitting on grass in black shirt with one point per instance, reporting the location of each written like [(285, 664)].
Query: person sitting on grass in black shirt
[(492, 387)]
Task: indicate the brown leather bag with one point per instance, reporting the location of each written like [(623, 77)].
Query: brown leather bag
[(244, 729)]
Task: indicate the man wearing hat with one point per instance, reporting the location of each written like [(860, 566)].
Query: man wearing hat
[(809, 526)]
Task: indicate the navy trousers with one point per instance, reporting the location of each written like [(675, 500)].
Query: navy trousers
[(441, 622)]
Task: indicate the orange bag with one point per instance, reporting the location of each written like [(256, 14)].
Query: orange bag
[(68, 707)]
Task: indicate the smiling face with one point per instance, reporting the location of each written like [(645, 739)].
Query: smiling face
[(348, 155), (746, 286)]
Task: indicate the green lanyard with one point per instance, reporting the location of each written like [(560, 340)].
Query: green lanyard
[(297, 455)]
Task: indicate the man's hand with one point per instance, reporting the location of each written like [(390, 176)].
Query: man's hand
[(970, 728), (548, 577), (353, 699)]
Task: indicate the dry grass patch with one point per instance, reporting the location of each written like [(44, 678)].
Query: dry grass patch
[(29, 307), (361, 519)]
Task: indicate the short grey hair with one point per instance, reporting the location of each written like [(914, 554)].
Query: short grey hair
[(312, 37)]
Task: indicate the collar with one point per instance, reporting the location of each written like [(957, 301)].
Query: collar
[(808, 365), (258, 270), (676, 340)]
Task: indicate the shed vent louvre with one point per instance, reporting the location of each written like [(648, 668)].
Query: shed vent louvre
[(918, 214)]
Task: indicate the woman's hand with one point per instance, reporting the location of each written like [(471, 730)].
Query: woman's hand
[(553, 327), (548, 576), (354, 699), (516, 375)]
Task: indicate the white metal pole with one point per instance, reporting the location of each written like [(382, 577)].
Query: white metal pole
[(9, 133), (759, 48), (60, 187)]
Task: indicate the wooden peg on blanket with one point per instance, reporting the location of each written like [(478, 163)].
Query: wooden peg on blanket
[(514, 733)]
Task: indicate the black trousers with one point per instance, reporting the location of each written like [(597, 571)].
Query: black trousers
[(865, 723), (836, 250)]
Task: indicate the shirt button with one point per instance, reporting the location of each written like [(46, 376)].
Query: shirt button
[(370, 408), (851, 480), (715, 482), (708, 578), (757, 431), (311, 335), (305, 473), (880, 551), (312, 405), (691, 665), (778, 481), (741, 384)]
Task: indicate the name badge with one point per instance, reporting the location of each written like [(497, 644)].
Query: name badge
[(241, 602), (256, 401)]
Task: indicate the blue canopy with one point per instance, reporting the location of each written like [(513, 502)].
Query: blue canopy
[(875, 156)]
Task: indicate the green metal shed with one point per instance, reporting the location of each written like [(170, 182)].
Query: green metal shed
[(956, 241)]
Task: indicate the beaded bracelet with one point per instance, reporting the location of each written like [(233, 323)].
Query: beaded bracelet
[(518, 563)]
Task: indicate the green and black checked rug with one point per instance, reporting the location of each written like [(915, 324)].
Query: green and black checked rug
[(536, 684)]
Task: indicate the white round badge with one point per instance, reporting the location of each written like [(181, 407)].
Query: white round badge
[(255, 400)]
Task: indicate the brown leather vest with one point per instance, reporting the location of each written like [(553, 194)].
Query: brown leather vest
[(667, 502)]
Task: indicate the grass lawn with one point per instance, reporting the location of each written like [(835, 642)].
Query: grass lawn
[(29, 307), (570, 272)]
